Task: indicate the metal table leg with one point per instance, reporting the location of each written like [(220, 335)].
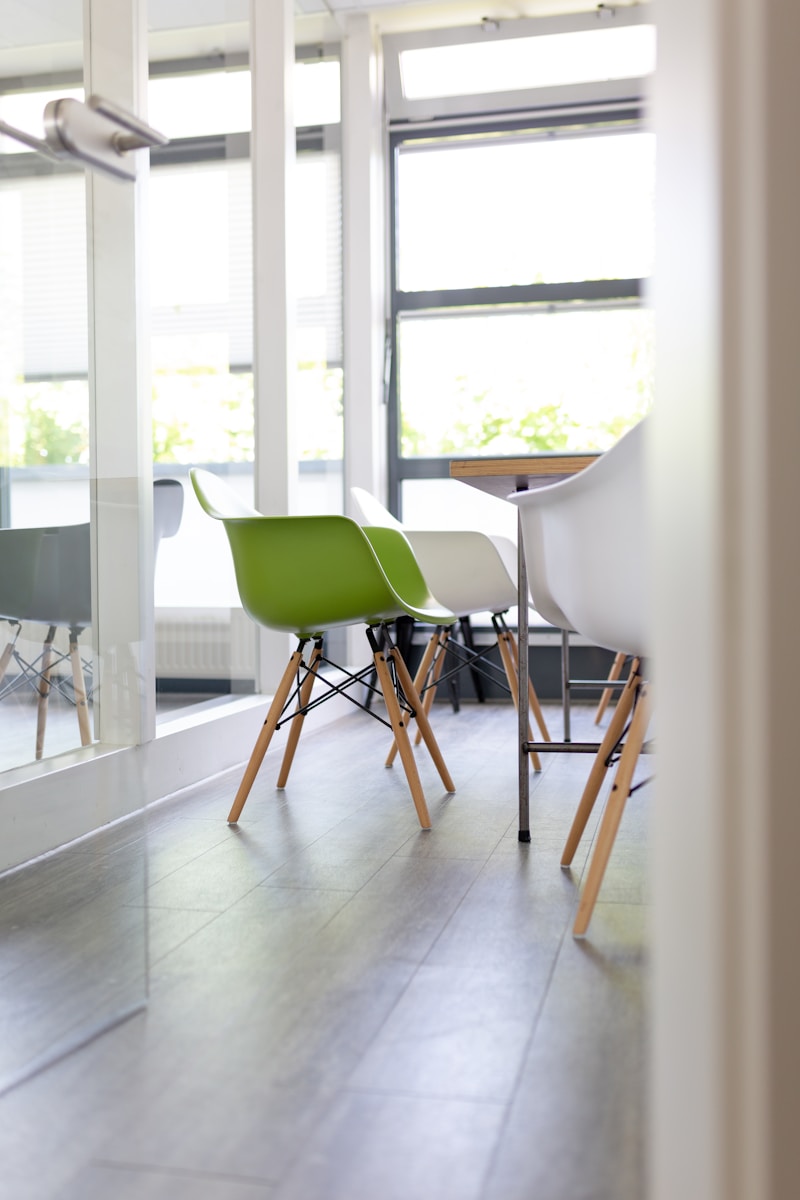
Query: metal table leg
[(524, 834), (565, 683)]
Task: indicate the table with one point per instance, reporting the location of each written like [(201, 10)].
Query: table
[(501, 477)]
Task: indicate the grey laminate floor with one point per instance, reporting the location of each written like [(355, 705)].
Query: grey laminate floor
[(343, 1007)]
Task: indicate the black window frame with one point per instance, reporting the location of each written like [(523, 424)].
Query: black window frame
[(630, 114)]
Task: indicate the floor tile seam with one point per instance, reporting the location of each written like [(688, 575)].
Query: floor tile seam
[(189, 862), (198, 1173), (193, 861), (153, 962), (344, 1088), (302, 887), (473, 882), (537, 1017), (217, 912), (416, 966), (439, 1097), (198, 786)]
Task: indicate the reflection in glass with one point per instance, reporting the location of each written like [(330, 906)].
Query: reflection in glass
[(72, 920), (45, 617)]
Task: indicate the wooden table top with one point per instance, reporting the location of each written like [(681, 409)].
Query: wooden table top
[(501, 476)]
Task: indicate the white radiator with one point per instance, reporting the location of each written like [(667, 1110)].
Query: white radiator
[(204, 643)]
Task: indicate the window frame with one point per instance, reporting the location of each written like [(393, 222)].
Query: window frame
[(605, 292), (400, 108)]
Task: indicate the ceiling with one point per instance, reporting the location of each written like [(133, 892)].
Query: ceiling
[(42, 36)]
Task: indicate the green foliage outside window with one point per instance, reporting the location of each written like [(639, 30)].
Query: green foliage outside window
[(200, 414)]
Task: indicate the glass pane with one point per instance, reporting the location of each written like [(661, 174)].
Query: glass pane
[(24, 111), (72, 914), (517, 64), (196, 105), (492, 213), (317, 95), (44, 450), (520, 383), (208, 102), (317, 234), (201, 356)]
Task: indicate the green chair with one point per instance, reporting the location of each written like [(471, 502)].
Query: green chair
[(307, 575)]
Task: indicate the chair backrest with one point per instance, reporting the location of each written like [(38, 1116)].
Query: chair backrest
[(308, 574), (371, 509), (49, 569), (62, 593), (465, 569), (167, 509), (585, 546), (19, 558), (217, 498)]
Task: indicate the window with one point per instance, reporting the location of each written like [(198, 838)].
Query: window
[(522, 246), (516, 64), (201, 289)]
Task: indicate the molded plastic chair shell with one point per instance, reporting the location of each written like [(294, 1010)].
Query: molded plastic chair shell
[(46, 578), (20, 549), (585, 541), (471, 572), (308, 574), (467, 570)]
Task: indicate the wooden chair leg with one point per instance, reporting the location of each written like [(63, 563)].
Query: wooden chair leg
[(5, 657), (44, 691), (533, 699), (265, 736), (428, 695), (510, 667), (296, 723), (614, 808), (613, 675), (438, 638), (79, 687), (401, 738), (600, 765), (412, 695)]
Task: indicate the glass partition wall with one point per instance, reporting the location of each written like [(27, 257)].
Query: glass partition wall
[(202, 336), (72, 913), (44, 430)]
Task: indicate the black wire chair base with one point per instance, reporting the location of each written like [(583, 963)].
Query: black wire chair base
[(380, 642), (42, 680)]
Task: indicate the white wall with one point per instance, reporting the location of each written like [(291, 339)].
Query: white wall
[(726, 982)]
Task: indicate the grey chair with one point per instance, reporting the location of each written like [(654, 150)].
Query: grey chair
[(46, 579)]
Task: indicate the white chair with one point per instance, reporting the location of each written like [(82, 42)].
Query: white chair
[(476, 573), (584, 542)]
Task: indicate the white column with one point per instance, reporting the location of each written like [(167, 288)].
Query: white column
[(272, 152), (726, 977), (363, 234), (364, 254), (119, 377)]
